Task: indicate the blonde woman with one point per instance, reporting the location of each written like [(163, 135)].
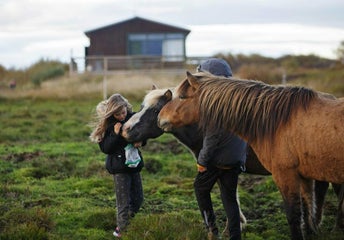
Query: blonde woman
[(112, 114)]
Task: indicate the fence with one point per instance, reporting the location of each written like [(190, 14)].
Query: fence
[(109, 65)]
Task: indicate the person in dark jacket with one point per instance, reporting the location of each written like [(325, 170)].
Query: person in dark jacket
[(112, 114), (220, 160)]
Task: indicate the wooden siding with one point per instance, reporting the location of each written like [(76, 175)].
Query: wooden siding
[(111, 40)]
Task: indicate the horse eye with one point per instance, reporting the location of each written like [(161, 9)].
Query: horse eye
[(181, 97)]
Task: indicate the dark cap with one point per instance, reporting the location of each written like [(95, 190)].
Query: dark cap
[(215, 66)]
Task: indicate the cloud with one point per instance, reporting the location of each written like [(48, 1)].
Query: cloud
[(32, 29), (266, 39)]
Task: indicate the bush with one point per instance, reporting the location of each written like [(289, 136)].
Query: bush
[(264, 73), (44, 70)]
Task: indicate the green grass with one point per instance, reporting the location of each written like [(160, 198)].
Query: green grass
[(54, 184)]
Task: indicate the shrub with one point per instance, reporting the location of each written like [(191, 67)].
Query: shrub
[(44, 70), (264, 73)]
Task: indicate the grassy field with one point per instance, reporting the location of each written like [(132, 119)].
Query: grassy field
[(54, 184)]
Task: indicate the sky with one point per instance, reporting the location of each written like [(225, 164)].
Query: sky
[(34, 29)]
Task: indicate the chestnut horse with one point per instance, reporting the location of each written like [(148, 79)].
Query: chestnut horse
[(297, 133)]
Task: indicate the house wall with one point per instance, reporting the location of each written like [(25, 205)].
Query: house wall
[(112, 40)]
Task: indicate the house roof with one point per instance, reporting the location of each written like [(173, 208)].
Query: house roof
[(137, 20)]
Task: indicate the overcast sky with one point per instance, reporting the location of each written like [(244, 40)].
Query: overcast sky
[(50, 29)]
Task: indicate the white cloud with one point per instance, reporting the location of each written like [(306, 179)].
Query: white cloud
[(267, 39), (32, 29)]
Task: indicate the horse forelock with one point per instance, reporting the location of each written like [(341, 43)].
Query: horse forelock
[(152, 98), (249, 108), (149, 101)]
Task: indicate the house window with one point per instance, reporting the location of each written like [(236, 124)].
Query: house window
[(145, 44), (170, 45), (173, 49)]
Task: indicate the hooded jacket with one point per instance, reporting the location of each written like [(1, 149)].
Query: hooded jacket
[(222, 149), (113, 145)]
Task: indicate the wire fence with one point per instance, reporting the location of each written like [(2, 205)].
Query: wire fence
[(109, 64)]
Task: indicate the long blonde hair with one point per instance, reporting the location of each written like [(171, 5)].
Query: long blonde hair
[(104, 111)]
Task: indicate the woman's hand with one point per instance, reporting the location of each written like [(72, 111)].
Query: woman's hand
[(117, 128), (201, 168)]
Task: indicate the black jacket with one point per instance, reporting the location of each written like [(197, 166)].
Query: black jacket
[(113, 145), (223, 150)]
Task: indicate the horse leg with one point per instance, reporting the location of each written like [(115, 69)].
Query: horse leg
[(320, 190), (339, 190), (307, 197), (288, 182)]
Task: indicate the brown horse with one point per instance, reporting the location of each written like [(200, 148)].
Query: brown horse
[(297, 133)]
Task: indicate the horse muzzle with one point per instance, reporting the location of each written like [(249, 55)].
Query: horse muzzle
[(164, 125)]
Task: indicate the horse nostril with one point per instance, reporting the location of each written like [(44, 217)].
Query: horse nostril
[(163, 124), (160, 123)]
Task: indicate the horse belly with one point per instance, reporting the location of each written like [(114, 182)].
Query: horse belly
[(318, 143), (322, 166)]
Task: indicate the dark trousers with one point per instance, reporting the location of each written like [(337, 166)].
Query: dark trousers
[(129, 196), (228, 181)]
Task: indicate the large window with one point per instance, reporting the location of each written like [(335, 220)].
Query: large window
[(170, 45)]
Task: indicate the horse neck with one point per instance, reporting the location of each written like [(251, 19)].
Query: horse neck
[(191, 137)]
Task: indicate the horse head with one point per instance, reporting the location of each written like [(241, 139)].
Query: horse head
[(143, 124), (182, 109)]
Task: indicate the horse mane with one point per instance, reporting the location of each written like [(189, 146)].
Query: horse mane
[(249, 108), (153, 96)]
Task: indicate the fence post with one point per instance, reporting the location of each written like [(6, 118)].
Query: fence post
[(71, 67), (105, 69), (284, 77)]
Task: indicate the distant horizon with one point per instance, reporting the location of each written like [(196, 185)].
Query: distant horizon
[(248, 55), (207, 41), (29, 31)]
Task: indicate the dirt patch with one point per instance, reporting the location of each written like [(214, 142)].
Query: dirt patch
[(250, 181), (171, 147), (21, 157)]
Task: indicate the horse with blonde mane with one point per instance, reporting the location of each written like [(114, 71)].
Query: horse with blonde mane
[(297, 133)]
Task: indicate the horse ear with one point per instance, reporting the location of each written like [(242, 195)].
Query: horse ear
[(154, 87), (168, 95), (191, 79)]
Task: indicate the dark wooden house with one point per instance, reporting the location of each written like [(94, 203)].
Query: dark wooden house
[(134, 43)]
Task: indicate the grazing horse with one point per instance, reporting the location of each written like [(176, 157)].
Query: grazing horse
[(143, 125), (297, 133)]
